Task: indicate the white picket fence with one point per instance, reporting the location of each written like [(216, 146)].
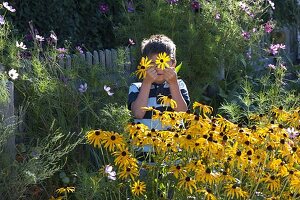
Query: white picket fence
[(107, 58)]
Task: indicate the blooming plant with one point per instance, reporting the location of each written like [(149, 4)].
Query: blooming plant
[(210, 157), (145, 63)]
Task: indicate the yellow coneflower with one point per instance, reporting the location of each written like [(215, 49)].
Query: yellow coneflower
[(167, 100), (64, 190), (178, 171), (295, 185), (112, 140), (124, 158), (205, 109), (138, 188), (272, 182), (129, 171), (207, 176), (208, 194), (187, 183), (94, 137), (162, 61), (235, 192), (142, 67)]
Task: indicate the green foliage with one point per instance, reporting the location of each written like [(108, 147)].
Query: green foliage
[(210, 49), (261, 93), (42, 161), (80, 22)]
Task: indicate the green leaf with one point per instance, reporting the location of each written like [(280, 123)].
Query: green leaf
[(178, 67)]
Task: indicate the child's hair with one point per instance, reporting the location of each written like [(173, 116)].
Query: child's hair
[(158, 44)]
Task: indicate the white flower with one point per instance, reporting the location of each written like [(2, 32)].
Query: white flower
[(53, 36), (21, 45), (292, 133), (107, 89), (82, 88), (2, 21), (109, 171), (39, 38), (271, 4), (8, 7), (13, 74)]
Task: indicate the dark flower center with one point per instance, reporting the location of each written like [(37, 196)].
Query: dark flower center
[(143, 67), (161, 60), (208, 171), (187, 179), (189, 137), (178, 167), (238, 153), (128, 169), (124, 153), (97, 133), (272, 177), (113, 137)]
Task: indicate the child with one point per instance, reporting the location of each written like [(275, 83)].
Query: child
[(157, 83)]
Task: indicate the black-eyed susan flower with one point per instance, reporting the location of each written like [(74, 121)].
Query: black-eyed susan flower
[(112, 140), (295, 185), (162, 60), (124, 158), (129, 171), (145, 64), (207, 176), (208, 194), (188, 183), (94, 137), (235, 192), (178, 171), (272, 182), (65, 190), (205, 109), (138, 188), (167, 100)]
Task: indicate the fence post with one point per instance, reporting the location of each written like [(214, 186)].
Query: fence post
[(7, 110)]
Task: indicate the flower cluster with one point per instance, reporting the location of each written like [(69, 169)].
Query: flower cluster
[(145, 63), (212, 157)]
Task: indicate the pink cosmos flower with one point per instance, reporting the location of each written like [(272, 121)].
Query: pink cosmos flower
[(79, 49), (268, 27), (246, 35), (195, 5), (274, 48), (104, 8)]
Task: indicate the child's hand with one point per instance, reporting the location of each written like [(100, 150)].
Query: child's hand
[(151, 75), (170, 75)]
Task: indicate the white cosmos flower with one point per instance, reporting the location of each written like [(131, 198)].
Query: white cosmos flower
[(39, 38), (21, 45), (13, 74), (107, 89), (8, 7)]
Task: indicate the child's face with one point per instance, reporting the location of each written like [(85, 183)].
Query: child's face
[(160, 73)]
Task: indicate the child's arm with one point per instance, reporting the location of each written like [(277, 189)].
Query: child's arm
[(142, 98), (171, 77)]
